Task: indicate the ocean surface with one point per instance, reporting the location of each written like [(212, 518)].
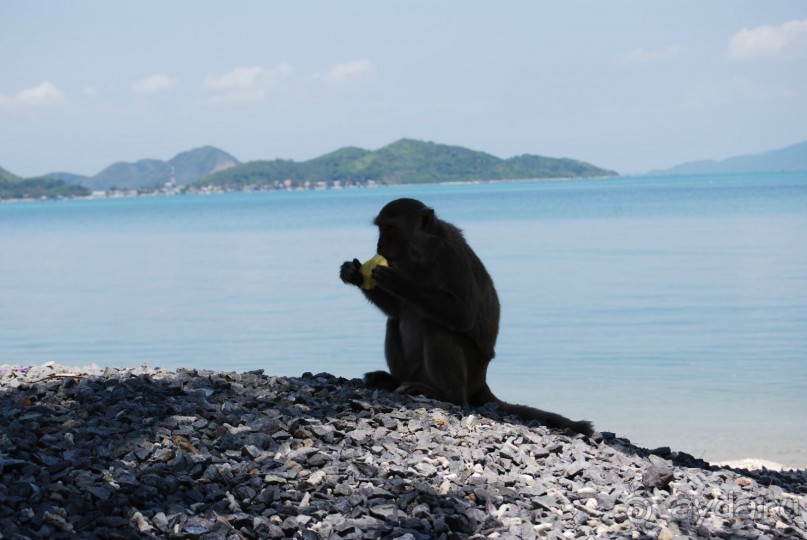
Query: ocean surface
[(670, 310)]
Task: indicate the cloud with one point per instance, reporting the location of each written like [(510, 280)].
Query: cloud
[(245, 83), (153, 84), (784, 42), (644, 57), (347, 70), (238, 78), (44, 94)]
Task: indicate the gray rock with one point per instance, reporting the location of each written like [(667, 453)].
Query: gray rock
[(201, 454), (575, 469), (658, 476)]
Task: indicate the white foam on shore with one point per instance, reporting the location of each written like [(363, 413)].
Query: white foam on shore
[(754, 464)]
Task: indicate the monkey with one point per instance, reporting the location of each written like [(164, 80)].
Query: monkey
[(442, 313)]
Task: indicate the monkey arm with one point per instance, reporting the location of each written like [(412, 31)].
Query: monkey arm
[(443, 306), (384, 301)]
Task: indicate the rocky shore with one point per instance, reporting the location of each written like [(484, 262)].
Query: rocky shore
[(151, 453)]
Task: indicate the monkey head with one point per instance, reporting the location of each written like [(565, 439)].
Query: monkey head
[(403, 226)]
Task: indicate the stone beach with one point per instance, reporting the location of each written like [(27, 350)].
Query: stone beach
[(151, 453)]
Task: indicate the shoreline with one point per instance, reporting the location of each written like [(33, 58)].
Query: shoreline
[(154, 452), (211, 189), (754, 464)]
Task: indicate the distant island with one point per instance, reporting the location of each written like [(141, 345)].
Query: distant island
[(406, 161), (791, 158), (210, 169)]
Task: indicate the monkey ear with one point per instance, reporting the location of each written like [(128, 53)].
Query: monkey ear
[(427, 218)]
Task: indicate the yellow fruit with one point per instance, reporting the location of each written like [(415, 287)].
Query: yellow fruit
[(367, 270)]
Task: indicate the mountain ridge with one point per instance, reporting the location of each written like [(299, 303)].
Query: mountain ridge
[(14, 187), (403, 161), (6, 176), (788, 158), (184, 168)]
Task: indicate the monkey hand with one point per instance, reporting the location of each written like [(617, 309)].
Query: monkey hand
[(389, 279), (350, 273)]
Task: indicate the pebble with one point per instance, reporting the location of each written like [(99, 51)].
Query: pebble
[(147, 452)]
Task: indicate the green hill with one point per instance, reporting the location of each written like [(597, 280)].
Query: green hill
[(404, 161), (68, 178), (6, 176), (14, 187), (197, 163), (141, 174), (184, 168)]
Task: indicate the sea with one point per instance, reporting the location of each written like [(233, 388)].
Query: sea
[(669, 310)]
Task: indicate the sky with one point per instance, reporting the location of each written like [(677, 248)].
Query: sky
[(629, 86)]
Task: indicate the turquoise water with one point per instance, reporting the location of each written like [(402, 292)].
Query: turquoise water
[(670, 310)]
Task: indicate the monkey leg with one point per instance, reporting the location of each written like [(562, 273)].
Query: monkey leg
[(400, 367), (403, 349), (448, 367)]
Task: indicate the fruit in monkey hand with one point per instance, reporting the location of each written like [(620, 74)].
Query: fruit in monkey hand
[(367, 270)]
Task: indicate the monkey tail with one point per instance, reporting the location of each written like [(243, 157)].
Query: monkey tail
[(549, 419)]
